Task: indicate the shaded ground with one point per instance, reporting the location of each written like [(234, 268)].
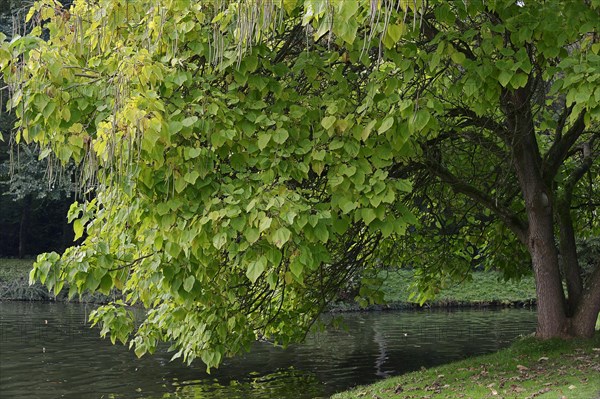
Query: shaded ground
[(529, 369)]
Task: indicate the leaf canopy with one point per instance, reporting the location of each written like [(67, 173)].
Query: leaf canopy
[(251, 158)]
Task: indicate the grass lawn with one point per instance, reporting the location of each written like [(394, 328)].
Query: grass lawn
[(528, 369), (484, 287), (15, 269), (14, 285)]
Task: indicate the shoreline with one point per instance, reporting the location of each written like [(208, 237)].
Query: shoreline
[(20, 290), (486, 290), (529, 368), (442, 304)]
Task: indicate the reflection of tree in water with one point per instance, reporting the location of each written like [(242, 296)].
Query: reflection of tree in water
[(372, 346), (379, 338), (280, 384)]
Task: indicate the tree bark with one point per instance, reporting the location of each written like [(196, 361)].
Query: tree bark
[(551, 315), (24, 222), (583, 322), (568, 252), (552, 320)]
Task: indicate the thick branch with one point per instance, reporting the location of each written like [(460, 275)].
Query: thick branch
[(470, 118), (516, 225), (484, 142), (568, 251), (589, 305), (130, 264), (568, 247), (558, 152)]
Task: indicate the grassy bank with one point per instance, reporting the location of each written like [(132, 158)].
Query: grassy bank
[(14, 281), (15, 269), (14, 285), (484, 289), (528, 369)]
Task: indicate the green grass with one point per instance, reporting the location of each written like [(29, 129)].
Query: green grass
[(14, 285), (528, 369), (485, 287), (15, 269)]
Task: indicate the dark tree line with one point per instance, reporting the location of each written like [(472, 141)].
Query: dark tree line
[(33, 202)]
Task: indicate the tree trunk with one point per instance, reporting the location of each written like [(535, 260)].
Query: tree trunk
[(24, 222), (551, 315), (552, 320), (583, 322), (570, 263), (67, 229)]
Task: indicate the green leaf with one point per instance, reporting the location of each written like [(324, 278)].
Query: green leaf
[(347, 205), (78, 228), (347, 30), (219, 240), (264, 224), (368, 215), (191, 153), (296, 267), (321, 233), (395, 31), (175, 127), (458, 57), (188, 283), (281, 236), (386, 125), (519, 80), (274, 256), (505, 76), (252, 235), (180, 184), (420, 120), (191, 177), (367, 130), (280, 136), (256, 269), (106, 285), (263, 140), (328, 121)]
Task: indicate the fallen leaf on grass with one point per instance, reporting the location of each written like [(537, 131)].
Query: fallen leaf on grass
[(517, 389), (520, 367), (542, 359), (571, 387), (538, 393)]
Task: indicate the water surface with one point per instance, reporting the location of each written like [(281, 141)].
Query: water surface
[(47, 350)]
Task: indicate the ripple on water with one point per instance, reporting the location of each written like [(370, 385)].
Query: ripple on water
[(47, 350)]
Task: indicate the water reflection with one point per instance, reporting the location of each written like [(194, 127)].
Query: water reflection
[(48, 351)]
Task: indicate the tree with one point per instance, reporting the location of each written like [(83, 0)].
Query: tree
[(252, 157), (28, 184)]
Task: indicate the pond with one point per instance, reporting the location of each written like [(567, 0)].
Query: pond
[(47, 350)]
